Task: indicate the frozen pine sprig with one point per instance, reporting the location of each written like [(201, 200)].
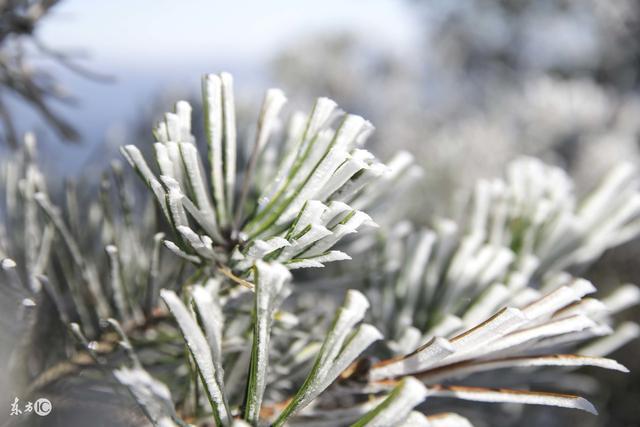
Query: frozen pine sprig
[(271, 289), (81, 260), (208, 368), (494, 291), (152, 395), (298, 209), (541, 331), (461, 301), (536, 212), (397, 407), (344, 342), (342, 345), (497, 254)]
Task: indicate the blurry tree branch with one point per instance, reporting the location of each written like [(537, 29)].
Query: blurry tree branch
[(19, 20)]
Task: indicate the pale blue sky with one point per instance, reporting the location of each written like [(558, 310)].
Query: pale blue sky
[(145, 33), (149, 45)]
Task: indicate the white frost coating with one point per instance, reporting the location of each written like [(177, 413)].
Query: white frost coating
[(210, 312), (398, 164), (303, 263), (448, 326), (409, 284), (332, 256), (160, 132), (7, 263), (315, 181), (613, 184), (326, 243), (201, 352), (495, 327), (313, 234), (136, 160), (497, 266), (365, 132), (364, 336), (176, 250), (472, 367), (206, 221), (260, 248), (271, 280), (274, 100), (348, 130), (405, 396), (175, 196), (622, 298), (420, 257), (469, 246), (295, 129), (415, 419), (334, 210), (360, 218), (624, 333), (334, 355), (407, 342), (448, 419), (480, 213), (589, 307), (28, 302), (493, 297), (352, 311), (423, 358), (194, 170), (212, 97), (119, 297), (229, 135), (515, 396), (173, 126), (152, 395), (550, 329), (203, 245), (341, 175), (558, 299), (322, 112), (162, 157), (166, 422), (311, 213), (183, 111), (174, 154), (525, 297), (351, 189), (308, 158)]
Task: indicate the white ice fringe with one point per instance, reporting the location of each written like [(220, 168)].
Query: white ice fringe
[(152, 395), (340, 348), (201, 353), (397, 406), (270, 281)]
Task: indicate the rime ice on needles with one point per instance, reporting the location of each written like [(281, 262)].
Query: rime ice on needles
[(344, 342), (152, 395), (340, 348), (296, 219), (396, 408), (207, 367), (536, 212), (271, 290), (464, 300)]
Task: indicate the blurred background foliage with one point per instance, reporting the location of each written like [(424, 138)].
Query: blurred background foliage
[(466, 87)]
